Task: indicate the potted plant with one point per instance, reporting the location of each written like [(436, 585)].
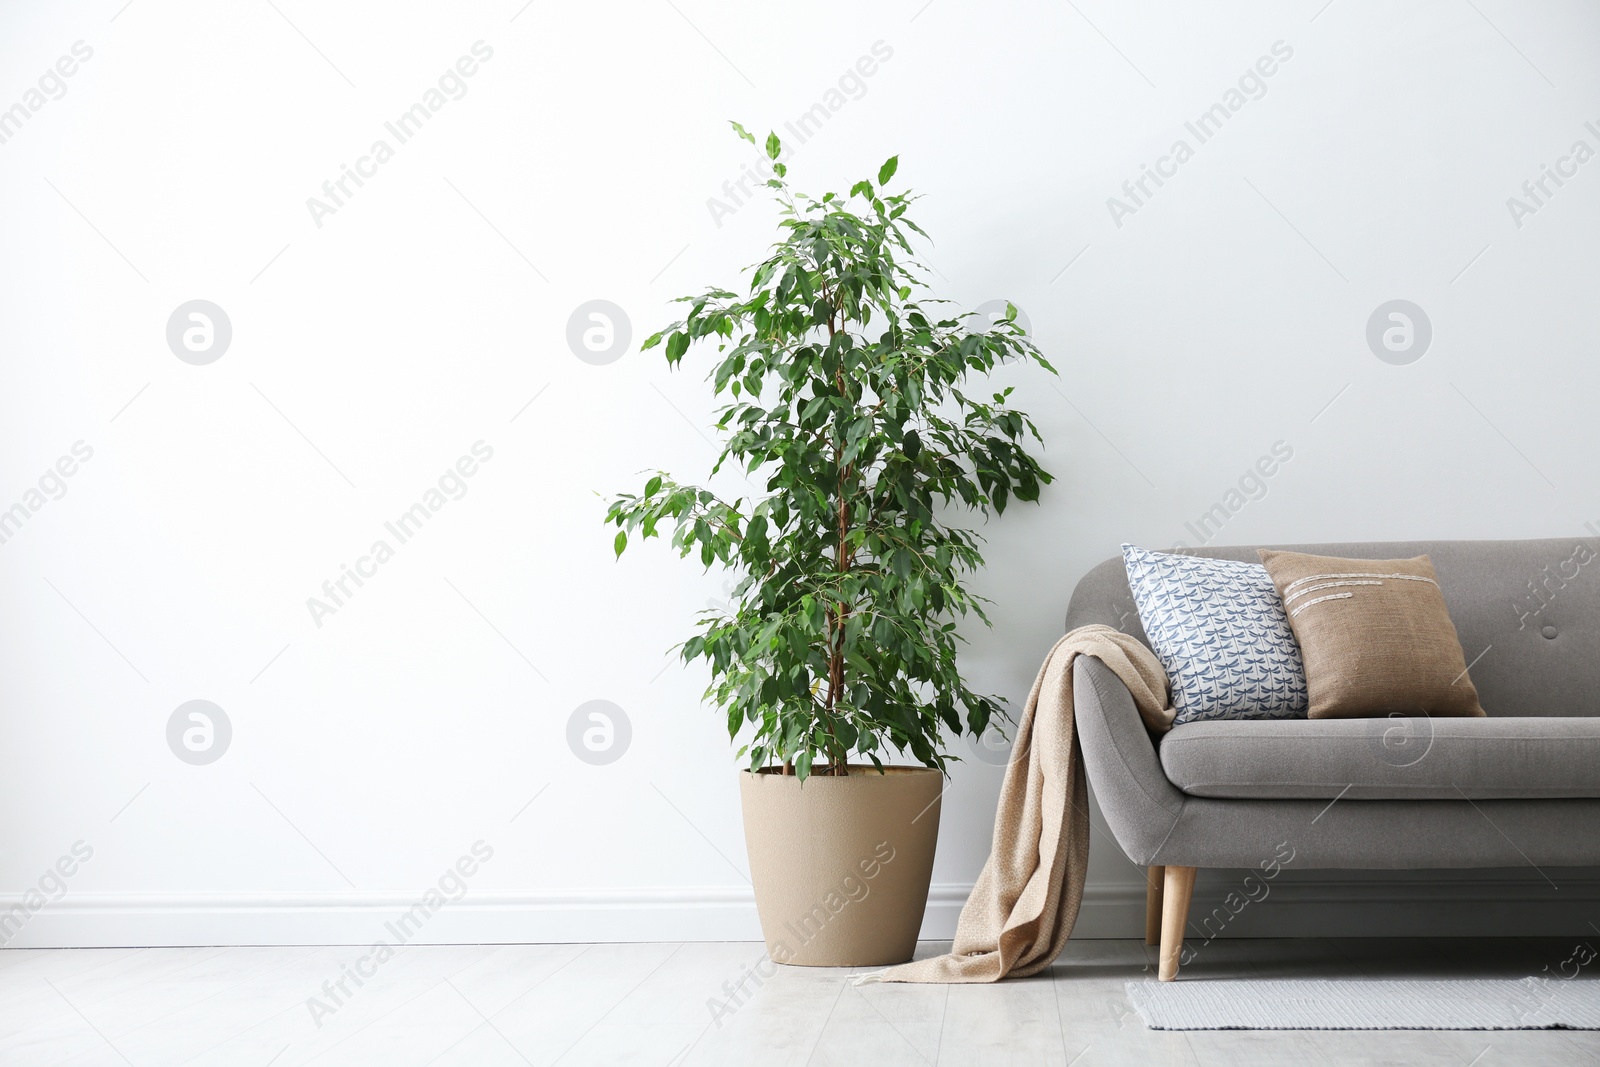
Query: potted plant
[(845, 399)]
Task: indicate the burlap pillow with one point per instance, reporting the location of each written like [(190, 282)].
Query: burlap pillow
[(1375, 636)]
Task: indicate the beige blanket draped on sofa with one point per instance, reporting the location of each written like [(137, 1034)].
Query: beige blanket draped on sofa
[(1021, 911)]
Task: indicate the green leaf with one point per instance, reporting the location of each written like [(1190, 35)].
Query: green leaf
[(886, 171), (742, 132), (652, 486), (774, 146), (620, 543)]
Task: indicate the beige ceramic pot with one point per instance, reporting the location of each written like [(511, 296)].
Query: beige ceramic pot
[(841, 865)]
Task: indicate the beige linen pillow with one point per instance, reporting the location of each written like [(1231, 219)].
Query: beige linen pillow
[(1375, 636)]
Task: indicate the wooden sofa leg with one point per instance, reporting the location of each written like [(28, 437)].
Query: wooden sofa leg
[(1178, 889), (1153, 879)]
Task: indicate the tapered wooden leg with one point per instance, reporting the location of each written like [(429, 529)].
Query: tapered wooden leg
[(1178, 889), (1153, 879)]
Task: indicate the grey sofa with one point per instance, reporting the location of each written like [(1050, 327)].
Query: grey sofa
[(1519, 788)]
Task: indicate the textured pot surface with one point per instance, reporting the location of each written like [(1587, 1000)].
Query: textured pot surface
[(841, 865)]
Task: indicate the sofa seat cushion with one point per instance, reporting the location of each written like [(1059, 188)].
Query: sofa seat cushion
[(1387, 759)]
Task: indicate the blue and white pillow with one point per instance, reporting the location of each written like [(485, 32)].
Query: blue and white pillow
[(1218, 628)]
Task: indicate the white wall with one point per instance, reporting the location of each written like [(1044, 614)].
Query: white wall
[(373, 346)]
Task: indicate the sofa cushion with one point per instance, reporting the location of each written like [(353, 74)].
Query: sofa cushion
[(1219, 630), (1384, 759), (1375, 636)]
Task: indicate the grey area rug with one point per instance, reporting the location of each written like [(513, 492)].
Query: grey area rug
[(1467, 1004)]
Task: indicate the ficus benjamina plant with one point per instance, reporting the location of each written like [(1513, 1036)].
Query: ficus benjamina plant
[(845, 396)]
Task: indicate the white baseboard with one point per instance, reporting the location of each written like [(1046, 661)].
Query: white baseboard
[(1490, 906), (696, 913)]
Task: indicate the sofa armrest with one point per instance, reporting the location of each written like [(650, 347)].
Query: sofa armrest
[(1140, 805)]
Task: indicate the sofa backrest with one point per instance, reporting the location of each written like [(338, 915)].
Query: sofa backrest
[(1528, 612)]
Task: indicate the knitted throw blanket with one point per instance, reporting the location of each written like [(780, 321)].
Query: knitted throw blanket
[(1021, 911)]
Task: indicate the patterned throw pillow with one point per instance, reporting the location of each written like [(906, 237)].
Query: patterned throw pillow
[(1218, 628)]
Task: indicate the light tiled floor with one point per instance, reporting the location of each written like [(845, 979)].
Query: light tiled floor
[(662, 1005)]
